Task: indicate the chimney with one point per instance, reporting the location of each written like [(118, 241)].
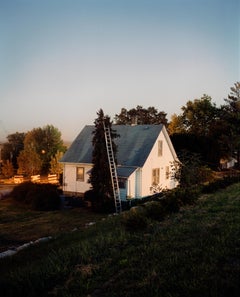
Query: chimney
[(134, 120)]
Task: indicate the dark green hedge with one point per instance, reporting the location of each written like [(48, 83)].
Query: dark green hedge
[(37, 196)]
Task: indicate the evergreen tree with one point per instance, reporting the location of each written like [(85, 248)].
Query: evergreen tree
[(100, 177), (231, 122)]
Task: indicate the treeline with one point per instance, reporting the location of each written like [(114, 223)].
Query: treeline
[(34, 152), (202, 133), (202, 130)]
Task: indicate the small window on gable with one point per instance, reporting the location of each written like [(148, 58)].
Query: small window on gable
[(155, 176), (160, 148), (80, 173), (167, 172)]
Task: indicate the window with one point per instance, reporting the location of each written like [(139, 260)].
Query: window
[(160, 148), (167, 172), (155, 176), (122, 183), (80, 173)]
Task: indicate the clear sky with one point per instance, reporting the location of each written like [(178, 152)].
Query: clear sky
[(63, 60)]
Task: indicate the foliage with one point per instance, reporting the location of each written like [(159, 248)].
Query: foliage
[(220, 183), (140, 116), (176, 125), (7, 169), (36, 147), (99, 203), (29, 161), (135, 219), (199, 115), (181, 196), (188, 171), (218, 126), (37, 196), (100, 177), (13, 147), (155, 210), (46, 142), (55, 166), (205, 147), (231, 122)]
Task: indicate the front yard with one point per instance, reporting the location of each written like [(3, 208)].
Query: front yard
[(195, 252)]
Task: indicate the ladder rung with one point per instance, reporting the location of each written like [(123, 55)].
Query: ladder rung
[(112, 167)]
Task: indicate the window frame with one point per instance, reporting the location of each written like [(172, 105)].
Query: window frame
[(160, 148), (167, 172), (80, 176), (155, 176)]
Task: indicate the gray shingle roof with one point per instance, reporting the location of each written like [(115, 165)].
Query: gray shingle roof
[(134, 144)]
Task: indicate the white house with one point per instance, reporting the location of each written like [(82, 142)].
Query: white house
[(145, 157)]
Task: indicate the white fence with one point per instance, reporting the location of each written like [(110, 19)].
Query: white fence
[(35, 178), (52, 178), (18, 179)]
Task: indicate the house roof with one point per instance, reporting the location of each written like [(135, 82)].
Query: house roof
[(133, 146)]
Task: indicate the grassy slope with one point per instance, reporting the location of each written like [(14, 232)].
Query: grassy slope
[(193, 253), (19, 225)]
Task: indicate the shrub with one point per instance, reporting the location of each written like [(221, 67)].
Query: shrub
[(37, 196), (19, 192), (155, 210), (100, 203), (171, 202), (184, 196), (220, 184), (134, 219)]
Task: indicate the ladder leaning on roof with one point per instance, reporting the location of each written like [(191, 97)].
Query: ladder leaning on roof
[(112, 168)]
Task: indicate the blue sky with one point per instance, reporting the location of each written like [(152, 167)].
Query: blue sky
[(63, 60)]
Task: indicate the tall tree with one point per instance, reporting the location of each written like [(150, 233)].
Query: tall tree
[(193, 130), (100, 177), (231, 122), (13, 147), (140, 116), (199, 115)]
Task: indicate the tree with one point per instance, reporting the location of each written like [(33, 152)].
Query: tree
[(206, 147), (194, 129), (233, 99), (7, 169), (55, 166), (176, 125), (12, 148), (45, 142), (29, 161), (231, 122), (140, 116), (188, 171), (199, 115), (100, 177)]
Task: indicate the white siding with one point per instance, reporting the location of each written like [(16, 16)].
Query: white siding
[(139, 184), (70, 182), (155, 161)]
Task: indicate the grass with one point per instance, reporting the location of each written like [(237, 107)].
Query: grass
[(19, 225), (195, 252)]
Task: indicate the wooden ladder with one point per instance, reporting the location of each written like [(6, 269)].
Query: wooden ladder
[(113, 170)]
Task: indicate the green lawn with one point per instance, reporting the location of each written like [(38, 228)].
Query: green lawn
[(195, 252), (19, 225)]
